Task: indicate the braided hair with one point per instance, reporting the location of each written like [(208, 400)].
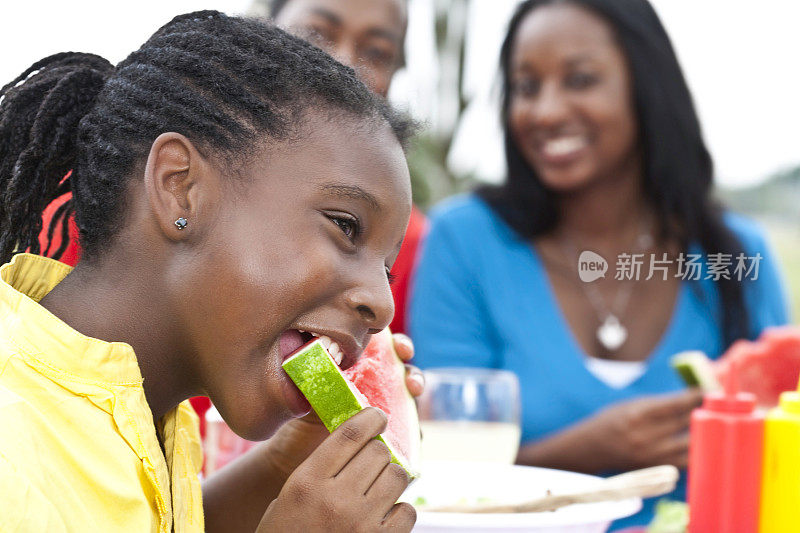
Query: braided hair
[(72, 122)]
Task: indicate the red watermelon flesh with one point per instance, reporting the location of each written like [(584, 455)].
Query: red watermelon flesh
[(380, 376), (766, 367)]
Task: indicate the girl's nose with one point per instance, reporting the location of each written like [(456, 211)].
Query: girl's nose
[(372, 300)]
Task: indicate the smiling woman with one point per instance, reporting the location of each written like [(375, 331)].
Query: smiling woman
[(605, 160), (235, 189)]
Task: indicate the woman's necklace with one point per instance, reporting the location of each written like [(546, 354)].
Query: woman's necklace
[(611, 333)]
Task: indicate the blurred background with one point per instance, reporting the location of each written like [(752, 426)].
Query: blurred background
[(740, 59)]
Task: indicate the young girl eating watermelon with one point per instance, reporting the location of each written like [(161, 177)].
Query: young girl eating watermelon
[(236, 190)]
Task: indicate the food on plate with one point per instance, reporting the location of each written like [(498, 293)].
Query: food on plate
[(670, 517)]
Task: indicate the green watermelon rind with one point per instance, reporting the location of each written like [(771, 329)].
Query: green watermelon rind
[(332, 396), (696, 370)]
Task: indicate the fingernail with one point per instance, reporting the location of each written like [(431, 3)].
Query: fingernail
[(403, 339), (418, 378)]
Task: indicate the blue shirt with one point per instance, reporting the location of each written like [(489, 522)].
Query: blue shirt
[(482, 298)]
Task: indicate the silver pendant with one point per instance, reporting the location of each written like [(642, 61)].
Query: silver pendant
[(612, 334)]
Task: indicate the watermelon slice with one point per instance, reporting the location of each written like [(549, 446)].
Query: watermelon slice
[(697, 370), (765, 367), (377, 379)]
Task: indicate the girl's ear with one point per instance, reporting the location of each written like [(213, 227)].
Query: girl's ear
[(180, 185)]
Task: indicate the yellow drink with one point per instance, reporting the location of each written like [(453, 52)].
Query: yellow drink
[(445, 440)]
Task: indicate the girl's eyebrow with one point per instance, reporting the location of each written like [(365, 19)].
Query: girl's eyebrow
[(353, 192)]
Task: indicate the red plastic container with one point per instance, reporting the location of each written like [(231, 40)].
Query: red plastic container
[(725, 455)]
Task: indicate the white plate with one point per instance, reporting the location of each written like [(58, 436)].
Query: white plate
[(444, 483)]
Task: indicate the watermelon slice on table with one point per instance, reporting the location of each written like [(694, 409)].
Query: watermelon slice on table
[(765, 367), (377, 379)]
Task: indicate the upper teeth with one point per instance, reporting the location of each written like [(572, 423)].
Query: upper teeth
[(564, 145), (330, 345)]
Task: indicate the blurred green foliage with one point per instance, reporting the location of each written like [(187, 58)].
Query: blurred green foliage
[(431, 179), (786, 240), (776, 203)]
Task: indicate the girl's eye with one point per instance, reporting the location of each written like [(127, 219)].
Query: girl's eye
[(349, 226), (391, 277)]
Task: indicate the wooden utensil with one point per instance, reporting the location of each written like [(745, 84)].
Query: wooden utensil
[(645, 483)]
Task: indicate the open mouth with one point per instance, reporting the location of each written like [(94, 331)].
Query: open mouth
[(563, 146), (293, 339)]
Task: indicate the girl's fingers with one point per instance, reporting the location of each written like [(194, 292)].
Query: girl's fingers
[(400, 518), (363, 469), (403, 346), (415, 380), (343, 444), (387, 488)]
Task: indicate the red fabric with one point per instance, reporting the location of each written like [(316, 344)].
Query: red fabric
[(73, 252), (403, 268), (201, 404)]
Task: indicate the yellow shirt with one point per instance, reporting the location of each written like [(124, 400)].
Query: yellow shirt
[(78, 447)]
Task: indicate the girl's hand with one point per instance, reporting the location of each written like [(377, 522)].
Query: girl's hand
[(347, 484), (322, 490), (296, 439), (415, 382)]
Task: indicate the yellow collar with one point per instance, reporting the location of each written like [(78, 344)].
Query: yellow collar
[(48, 342)]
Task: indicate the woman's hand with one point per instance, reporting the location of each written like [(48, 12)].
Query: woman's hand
[(648, 431), (346, 484)]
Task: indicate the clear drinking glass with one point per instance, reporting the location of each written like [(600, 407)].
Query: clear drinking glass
[(470, 414)]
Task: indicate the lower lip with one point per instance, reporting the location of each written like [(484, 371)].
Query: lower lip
[(298, 404)]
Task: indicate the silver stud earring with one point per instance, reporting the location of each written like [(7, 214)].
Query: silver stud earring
[(181, 223)]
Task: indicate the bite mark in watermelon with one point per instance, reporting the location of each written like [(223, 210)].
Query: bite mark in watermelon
[(765, 367), (377, 379)]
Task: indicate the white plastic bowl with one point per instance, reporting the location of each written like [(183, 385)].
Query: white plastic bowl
[(445, 483)]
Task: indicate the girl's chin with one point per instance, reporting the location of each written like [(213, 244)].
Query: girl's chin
[(258, 430), (259, 422)]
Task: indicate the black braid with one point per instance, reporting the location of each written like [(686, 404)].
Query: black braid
[(39, 116), (224, 82)]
